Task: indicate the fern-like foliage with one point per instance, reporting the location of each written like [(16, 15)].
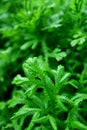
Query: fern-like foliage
[(44, 102), (50, 39)]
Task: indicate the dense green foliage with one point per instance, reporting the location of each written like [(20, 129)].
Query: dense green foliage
[(43, 64)]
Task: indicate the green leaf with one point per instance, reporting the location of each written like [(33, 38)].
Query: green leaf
[(42, 120), (30, 91), (78, 125), (32, 44), (65, 77), (78, 41), (79, 97), (65, 99), (18, 98), (32, 123), (36, 100), (74, 83), (49, 87), (25, 111), (18, 80), (59, 74), (57, 54), (61, 77), (53, 122), (60, 104)]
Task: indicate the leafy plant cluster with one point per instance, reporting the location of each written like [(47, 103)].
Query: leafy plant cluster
[(48, 40)]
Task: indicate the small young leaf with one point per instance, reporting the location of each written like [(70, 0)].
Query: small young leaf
[(18, 80)]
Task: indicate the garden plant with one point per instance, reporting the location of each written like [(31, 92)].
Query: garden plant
[(43, 64)]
